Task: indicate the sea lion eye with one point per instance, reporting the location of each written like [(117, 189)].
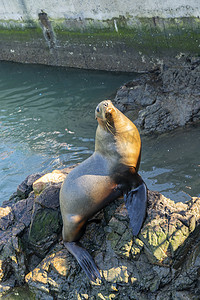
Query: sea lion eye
[(105, 104)]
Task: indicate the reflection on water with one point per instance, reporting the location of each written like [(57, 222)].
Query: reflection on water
[(171, 163), (47, 118), (47, 122)]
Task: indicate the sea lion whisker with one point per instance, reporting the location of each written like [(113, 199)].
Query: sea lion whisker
[(109, 129), (109, 124)]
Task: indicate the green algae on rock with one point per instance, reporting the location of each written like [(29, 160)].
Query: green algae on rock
[(156, 264), (116, 44)]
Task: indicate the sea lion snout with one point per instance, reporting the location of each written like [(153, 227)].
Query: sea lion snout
[(103, 108)]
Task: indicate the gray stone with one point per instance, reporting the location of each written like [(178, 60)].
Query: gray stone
[(6, 218), (46, 221), (147, 275), (26, 186), (162, 261), (163, 100)]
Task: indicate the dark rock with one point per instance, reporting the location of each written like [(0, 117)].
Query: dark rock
[(131, 268), (14, 221), (13, 199), (162, 100), (26, 186), (6, 287), (27, 225), (163, 261), (49, 197), (6, 218), (22, 210), (11, 255), (45, 230), (46, 221)]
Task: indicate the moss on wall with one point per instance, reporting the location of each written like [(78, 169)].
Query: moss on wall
[(155, 36), (144, 34)]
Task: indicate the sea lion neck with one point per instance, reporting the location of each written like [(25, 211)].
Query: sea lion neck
[(105, 143)]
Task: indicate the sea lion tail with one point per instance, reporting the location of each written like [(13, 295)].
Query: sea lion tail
[(136, 204), (84, 259)]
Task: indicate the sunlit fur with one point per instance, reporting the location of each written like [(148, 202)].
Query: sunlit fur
[(126, 142)]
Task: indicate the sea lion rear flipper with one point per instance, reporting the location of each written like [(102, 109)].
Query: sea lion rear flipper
[(84, 259), (136, 204)]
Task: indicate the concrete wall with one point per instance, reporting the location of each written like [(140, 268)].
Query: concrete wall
[(101, 10), (135, 35)]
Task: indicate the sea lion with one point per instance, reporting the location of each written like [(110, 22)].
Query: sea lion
[(110, 172)]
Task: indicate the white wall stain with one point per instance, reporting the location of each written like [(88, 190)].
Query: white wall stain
[(115, 24)]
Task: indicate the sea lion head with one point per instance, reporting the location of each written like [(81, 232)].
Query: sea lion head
[(117, 137), (105, 113)]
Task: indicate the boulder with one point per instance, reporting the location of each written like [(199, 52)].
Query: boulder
[(56, 177), (164, 99), (163, 261), (24, 189), (14, 222), (151, 266), (29, 225)]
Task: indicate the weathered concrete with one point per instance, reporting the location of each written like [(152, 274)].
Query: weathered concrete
[(16, 10), (118, 36)]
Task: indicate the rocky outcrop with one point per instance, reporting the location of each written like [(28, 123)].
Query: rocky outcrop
[(163, 262), (164, 99), (29, 225)]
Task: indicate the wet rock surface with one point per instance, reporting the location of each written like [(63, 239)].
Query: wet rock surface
[(162, 262), (164, 99)]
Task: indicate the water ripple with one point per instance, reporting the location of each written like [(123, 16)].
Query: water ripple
[(47, 118)]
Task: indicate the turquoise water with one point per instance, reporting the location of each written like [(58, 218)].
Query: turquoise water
[(47, 122), (171, 163), (47, 118)]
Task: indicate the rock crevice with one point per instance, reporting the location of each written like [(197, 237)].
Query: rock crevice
[(162, 262), (164, 99)]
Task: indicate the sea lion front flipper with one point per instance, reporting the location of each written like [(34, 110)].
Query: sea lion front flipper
[(84, 259), (136, 204)]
